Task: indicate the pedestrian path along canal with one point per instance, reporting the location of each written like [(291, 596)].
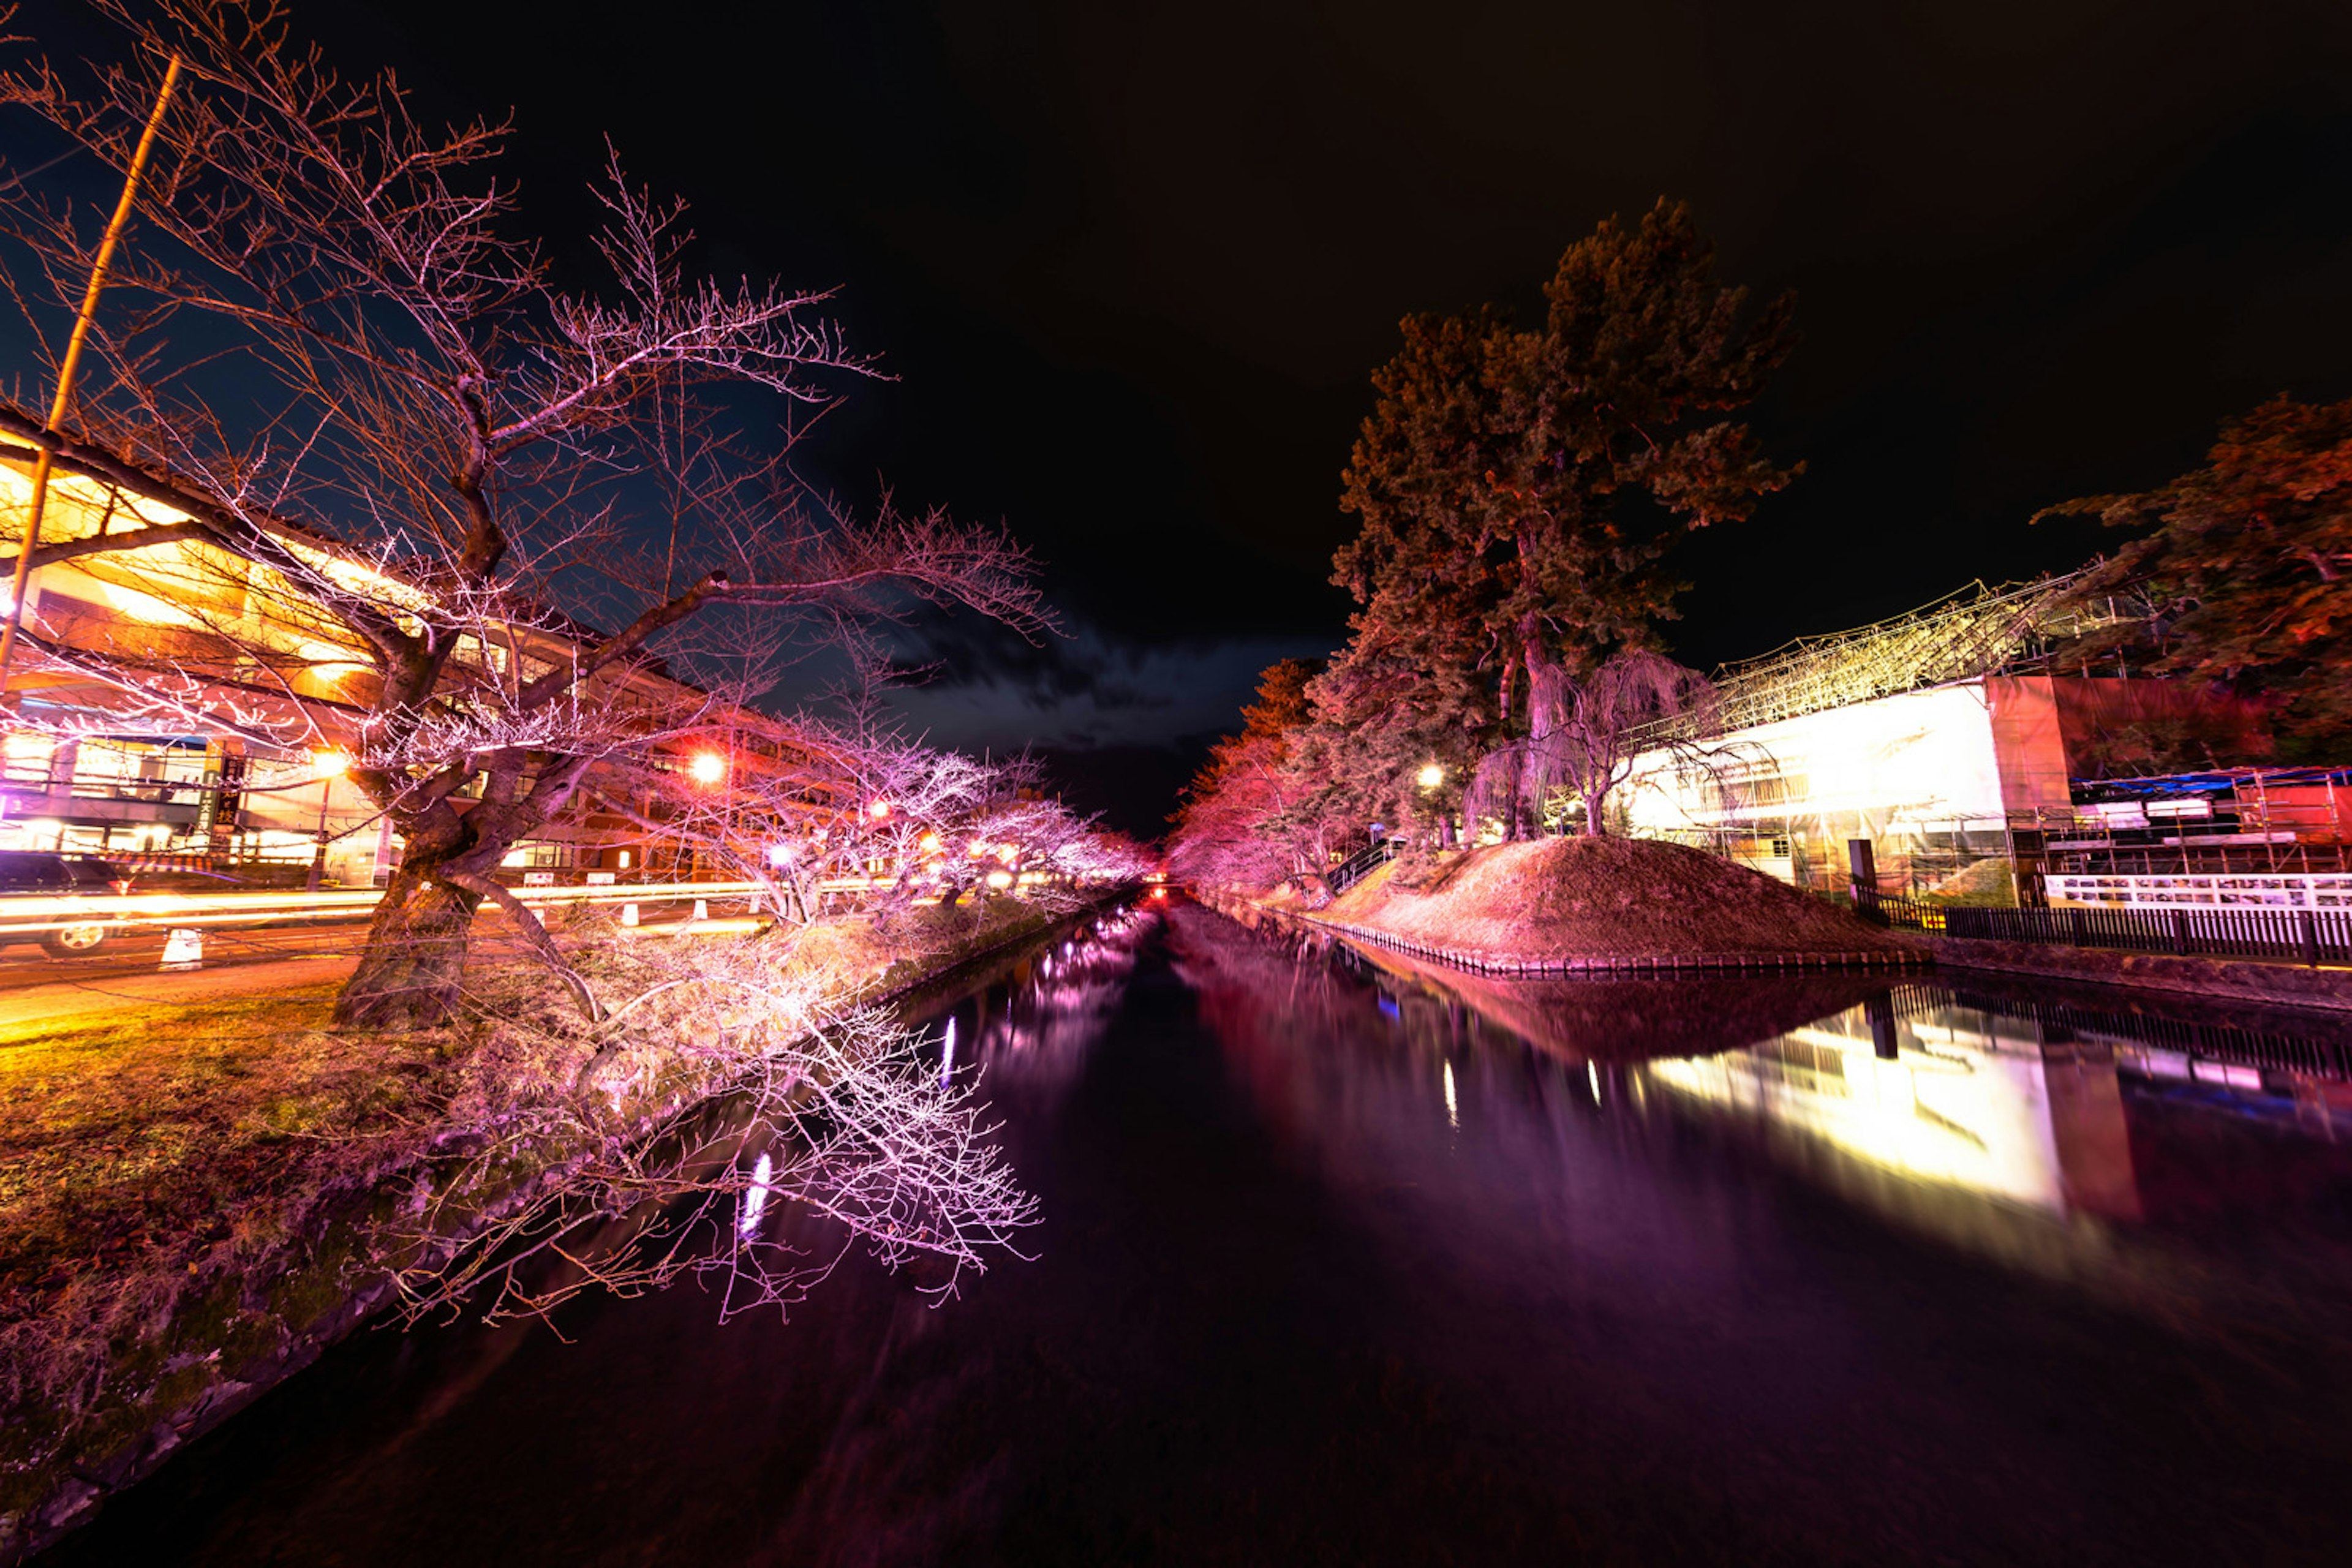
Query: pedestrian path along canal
[(1342, 1262)]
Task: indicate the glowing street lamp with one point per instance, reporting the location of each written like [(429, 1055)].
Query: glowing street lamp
[(1431, 775), (707, 768), (879, 810), (329, 766)]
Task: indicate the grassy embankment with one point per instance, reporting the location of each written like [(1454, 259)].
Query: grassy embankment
[(1563, 900), (185, 1191)]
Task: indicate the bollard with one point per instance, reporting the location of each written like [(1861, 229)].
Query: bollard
[(702, 910), (755, 904), (628, 914), (185, 949)]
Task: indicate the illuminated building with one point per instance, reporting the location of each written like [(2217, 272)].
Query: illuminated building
[(92, 774), (1946, 739)]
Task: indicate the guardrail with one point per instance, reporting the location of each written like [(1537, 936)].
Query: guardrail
[(2312, 937), (23, 918), (1361, 864)]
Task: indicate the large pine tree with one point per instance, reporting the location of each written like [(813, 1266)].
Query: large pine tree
[(2247, 571), (1517, 486)]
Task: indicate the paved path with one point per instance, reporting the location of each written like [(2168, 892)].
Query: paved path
[(64, 999)]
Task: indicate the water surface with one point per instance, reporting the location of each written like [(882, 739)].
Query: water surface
[(1345, 1261)]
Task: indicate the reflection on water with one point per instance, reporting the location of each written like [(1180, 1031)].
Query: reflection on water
[(1031, 1039), (1931, 1086), (1942, 1094), (2169, 1156), (1345, 1259)]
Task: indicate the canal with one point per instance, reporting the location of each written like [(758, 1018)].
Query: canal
[(1341, 1262)]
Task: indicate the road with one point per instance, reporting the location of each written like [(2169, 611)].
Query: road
[(269, 950)]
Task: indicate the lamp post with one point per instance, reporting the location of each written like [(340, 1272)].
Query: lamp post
[(331, 766), (710, 770), (1431, 776)]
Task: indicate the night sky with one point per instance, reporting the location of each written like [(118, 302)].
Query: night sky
[(1133, 271)]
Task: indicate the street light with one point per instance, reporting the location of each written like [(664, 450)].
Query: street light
[(708, 768), (329, 766), (1431, 775)]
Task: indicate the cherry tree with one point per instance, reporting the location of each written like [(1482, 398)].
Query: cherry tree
[(337, 373)]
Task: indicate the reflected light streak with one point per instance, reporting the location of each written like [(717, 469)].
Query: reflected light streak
[(755, 1201), (947, 1055), (1453, 1111)]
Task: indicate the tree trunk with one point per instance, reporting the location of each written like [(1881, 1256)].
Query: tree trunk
[(410, 971)]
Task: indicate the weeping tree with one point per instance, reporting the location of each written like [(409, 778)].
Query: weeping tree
[(1519, 488), (1587, 732), (355, 387)]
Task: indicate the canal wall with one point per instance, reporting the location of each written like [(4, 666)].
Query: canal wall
[(2242, 980), (1900, 955)]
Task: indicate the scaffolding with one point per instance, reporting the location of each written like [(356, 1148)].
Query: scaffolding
[(1974, 631)]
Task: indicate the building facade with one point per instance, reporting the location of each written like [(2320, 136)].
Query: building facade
[(87, 768)]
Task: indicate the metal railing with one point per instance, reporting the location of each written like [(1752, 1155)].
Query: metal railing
[(1902, 913), (1361, 864), (2305, 936)]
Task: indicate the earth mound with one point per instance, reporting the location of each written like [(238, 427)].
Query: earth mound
[(1607, 897)]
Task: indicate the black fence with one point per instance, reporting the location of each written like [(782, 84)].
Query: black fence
[(2305, 936)]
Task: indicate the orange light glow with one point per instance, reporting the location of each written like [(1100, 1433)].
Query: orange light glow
[(708, 767), (930, 842), (330, 764), (1000, 879), (879, 810)]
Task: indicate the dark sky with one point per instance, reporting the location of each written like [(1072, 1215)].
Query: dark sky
[(1133, 267)]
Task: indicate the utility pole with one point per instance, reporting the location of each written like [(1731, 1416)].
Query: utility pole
[(66, 368)]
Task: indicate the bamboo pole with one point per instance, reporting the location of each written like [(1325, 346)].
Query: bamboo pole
[(73, 361)]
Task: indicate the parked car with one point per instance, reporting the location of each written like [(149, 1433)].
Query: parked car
[(73, 893)]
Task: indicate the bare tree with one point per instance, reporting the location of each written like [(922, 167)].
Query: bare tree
[(838, 1116), (356, 391)]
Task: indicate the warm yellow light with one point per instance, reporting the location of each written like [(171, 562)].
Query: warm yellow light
[(625, 859), (879, 810), (930, 842), (1432, 775), (1000, 879), (330, 764), (708, 767)]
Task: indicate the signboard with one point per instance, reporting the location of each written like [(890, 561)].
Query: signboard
[(599, 879), (539, 878)]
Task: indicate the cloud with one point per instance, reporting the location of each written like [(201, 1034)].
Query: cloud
[(986, 687)]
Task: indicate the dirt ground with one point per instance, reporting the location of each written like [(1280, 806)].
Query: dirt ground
[(1604, 897)]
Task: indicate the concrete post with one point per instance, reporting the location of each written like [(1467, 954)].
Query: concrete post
[(1862, 873)]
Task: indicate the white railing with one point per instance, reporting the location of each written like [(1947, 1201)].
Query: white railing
[(2261, 889)]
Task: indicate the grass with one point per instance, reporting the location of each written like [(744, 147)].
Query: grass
[(148, 1129)]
